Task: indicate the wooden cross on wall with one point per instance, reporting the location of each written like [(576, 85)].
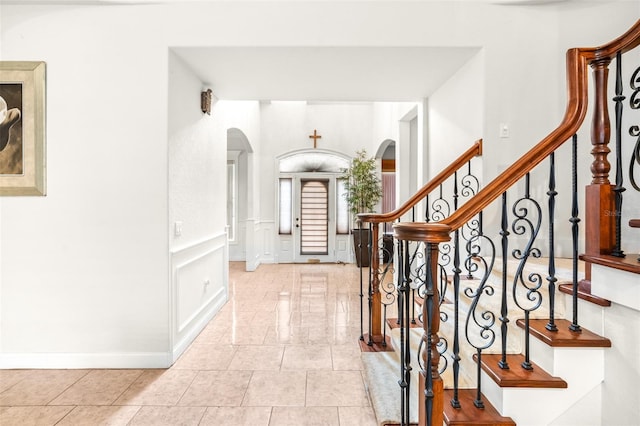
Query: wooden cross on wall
[(315, 136)]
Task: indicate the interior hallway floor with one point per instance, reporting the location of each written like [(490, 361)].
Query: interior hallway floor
[(282, 351)]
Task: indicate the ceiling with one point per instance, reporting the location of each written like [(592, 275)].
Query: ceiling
[(93, 2), (324, 73)]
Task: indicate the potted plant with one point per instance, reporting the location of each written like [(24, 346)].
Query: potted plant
[(363, 191)]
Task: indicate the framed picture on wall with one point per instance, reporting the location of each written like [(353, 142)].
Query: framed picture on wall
[(22, 128)]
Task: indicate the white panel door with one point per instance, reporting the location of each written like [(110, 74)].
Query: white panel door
[(314, 228)]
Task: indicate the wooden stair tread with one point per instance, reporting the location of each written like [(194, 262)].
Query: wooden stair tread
[(516, 376), (628, 263), (584, 294), (564, 337), (393, 323), (375, 346), (469, 414)]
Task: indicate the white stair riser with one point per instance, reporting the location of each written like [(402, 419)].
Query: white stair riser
[(581, 368), (537, 406), (618, 286), (590, 315)]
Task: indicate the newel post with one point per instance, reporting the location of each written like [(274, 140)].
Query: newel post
[(376, 301), (431, 386), (600, 198)]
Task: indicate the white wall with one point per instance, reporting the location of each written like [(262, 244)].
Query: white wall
[(286, 127), (84, 277), (385, 119), (453, 129), (199, 256), (392, 120), (194, 153), (84, 271)]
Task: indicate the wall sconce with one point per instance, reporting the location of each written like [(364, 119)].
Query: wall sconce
[(205, 101)]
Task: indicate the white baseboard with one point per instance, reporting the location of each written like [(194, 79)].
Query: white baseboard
[(197, 326), (84, 360)]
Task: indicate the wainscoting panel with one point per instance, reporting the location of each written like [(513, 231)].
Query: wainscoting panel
[(199, 288), (267, 228), (237, 249)]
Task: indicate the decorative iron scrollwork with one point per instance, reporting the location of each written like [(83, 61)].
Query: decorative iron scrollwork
[(480, 323), (524, 224), (440, 207), (634, 99), (485, 320), (635, 157)]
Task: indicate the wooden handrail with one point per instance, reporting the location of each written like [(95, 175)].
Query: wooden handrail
[(474, 151), (376, 336), (578, 60)]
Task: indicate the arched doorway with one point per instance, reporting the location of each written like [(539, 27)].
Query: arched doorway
[(239, 158), (313, 218), (386, 154)]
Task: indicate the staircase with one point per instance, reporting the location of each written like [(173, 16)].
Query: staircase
[(509, 333), (567, 389)]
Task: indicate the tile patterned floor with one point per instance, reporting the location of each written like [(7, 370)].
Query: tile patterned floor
[(283, 351)]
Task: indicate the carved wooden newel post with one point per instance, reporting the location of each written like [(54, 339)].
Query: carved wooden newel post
[(431, 386), (600, 198)]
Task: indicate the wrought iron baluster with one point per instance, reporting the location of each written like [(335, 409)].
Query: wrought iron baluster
[(551, 278), (429, 308), (504, 319), (455, 191), (362, 291), (635, 156), (522, 225), (619, 188), (470, 187), (575, 220), (455, 402), (634, 131), (407, 353), (413, 305), (415, 280), (446, 254), (426, 210), (401, 284), (370, 342), (483, 321), (470, 183), (404, 332), (441, 209), (388, 290)]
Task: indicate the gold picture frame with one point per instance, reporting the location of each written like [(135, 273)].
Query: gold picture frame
[(22, 128)]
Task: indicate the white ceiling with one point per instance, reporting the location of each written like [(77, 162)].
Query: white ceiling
[(93, 2), (316, 73), (324, 73)]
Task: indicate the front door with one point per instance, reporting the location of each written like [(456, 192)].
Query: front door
[(312, 219), (314, 231)]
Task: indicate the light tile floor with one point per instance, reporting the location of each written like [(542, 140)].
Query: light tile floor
[(283, 351)]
